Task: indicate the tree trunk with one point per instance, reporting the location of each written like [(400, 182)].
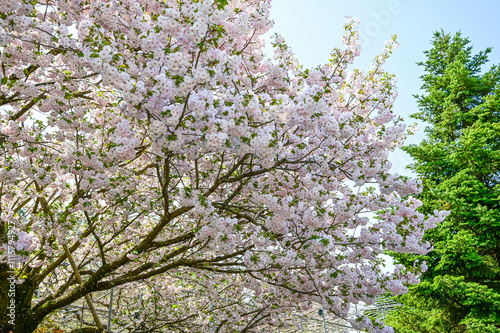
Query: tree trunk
[(15, 302), (4, 293)]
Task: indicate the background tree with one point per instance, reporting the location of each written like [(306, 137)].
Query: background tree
[(459, 164), (150, 147)]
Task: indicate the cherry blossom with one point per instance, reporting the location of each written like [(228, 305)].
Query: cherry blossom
[(214, 188)]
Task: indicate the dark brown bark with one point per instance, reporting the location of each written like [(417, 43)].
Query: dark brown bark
[(15, 302), (4, 292)]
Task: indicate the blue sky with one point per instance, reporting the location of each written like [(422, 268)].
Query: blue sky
[(314, 27)]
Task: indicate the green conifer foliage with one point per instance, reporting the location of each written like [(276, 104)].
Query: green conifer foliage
[(459, 164)]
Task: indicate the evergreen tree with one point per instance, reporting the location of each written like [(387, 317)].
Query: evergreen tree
[(459, 164)]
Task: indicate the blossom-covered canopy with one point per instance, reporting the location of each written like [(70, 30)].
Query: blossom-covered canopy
[(154, 142)]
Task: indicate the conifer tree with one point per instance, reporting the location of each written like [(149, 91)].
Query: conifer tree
[(458, 163)]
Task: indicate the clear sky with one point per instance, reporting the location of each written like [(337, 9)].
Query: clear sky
[(314, 27)]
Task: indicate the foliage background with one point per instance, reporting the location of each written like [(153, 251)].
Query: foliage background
[(459, 163)]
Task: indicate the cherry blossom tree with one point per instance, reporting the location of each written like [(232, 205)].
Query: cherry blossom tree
[(149, 146)]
